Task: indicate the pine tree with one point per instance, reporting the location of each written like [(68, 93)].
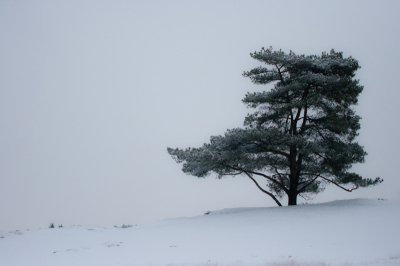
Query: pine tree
[(300, 137)]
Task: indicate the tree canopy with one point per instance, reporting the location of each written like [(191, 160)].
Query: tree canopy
[(301, 136)]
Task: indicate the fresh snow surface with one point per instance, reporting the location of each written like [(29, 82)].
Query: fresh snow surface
[(347, 232)]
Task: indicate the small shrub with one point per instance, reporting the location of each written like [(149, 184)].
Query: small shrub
[(124, 226)]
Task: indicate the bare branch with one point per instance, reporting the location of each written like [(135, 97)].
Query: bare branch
[(320, 155), (275, 152), (270, 178), (279, 152), (239, 173), (286, 123), (266, 192), (279, 174), (348, 190), (304, 188), (305, 119), (280, 74), (260, 174), (305, 93)]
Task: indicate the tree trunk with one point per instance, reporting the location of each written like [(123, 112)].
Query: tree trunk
[(292, 198), (294, 181)]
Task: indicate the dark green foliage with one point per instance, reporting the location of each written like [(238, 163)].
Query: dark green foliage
[(300, 137)]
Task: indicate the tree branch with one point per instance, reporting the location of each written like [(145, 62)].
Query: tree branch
[(275, 152), (280, 74), (348, 190), (260, 174), (286, 123), (320, 155), (279, 174), (305, 119), (270, 178), (305, 93), (279, 152), (266, 192), (239, 173), (304, 188)]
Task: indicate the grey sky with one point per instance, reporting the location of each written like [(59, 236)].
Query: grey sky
[(93, 92)]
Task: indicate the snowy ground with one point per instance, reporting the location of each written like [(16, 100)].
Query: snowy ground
[(349, 232)]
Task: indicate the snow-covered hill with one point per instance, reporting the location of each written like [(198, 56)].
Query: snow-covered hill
[(349, 232)]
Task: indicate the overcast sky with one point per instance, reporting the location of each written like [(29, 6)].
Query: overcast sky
[(93, 92)]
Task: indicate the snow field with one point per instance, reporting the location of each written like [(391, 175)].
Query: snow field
[(349, 232)]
